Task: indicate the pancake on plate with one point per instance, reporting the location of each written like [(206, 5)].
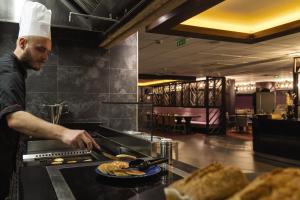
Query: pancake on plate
[(110, 167), (119, 168), (134, 172), (128, 172), (120, 172)]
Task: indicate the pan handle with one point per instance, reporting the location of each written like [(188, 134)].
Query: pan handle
[(158, 161)]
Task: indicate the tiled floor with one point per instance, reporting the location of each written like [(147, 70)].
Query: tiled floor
[(200, 150)]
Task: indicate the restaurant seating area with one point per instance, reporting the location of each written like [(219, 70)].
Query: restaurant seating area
[(168, 122), (189, 110), (183, 118), (185, 106)]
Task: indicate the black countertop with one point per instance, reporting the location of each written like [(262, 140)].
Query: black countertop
[(36, 184), (86, 184)]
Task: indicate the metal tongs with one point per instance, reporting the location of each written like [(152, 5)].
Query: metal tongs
[(145, 164), (107, 155)]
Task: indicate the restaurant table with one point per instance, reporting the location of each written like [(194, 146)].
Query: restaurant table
[(187, 120)]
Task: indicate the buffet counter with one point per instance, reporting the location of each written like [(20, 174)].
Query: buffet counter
[(279, 138)]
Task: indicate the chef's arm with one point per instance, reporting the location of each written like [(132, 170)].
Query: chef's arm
[(31, 125)]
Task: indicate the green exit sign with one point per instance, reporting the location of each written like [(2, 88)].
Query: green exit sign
[(180, 42)]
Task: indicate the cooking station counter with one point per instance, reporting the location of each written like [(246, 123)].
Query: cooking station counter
[(80, 181)]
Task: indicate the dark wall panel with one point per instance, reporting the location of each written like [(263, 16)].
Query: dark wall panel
[(83, 76), (244, 102)]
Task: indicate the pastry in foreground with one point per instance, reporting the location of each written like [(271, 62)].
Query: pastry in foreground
[(214, 182), (279, 184)]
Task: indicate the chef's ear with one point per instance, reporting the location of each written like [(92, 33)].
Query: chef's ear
[(22, 42)]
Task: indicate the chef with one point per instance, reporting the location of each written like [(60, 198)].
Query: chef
[(32, 49)]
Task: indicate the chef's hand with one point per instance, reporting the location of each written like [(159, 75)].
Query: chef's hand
[(79, 139)]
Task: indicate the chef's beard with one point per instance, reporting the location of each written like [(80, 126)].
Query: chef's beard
[(28, 60)]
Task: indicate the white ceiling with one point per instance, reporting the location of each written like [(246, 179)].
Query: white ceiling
[(158, 54)]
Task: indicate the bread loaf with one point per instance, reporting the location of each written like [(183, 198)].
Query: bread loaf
[(279, 184), (214, 182)]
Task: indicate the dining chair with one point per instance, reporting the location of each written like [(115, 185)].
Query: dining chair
[(177, 126)]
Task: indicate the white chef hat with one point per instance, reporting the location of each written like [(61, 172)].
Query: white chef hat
[(35, 20)]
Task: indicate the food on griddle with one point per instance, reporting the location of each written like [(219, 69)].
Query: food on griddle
[(279, 184), (119, 168), (213, 182), (56, 163), (58, 160), (125, 157), (71, 161), (88, 160)]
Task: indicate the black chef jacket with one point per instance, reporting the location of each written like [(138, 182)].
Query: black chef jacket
[(12, 99)]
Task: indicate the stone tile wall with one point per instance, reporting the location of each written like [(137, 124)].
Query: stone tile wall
[(83, 76)]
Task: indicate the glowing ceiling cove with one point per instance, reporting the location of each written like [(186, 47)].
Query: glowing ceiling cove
[(247, 16)]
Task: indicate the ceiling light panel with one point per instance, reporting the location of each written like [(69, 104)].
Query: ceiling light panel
[(247, 16)]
